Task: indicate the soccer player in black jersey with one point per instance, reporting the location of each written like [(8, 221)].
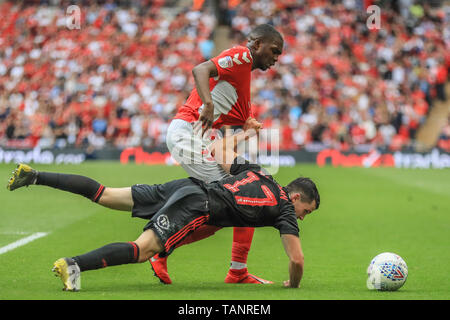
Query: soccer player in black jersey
[(248, 198)]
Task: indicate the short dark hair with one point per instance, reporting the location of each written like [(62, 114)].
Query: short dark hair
[(264, 32), (307, 188)]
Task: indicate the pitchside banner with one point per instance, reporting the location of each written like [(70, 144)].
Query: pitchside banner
[(434, 159), (36, 155)]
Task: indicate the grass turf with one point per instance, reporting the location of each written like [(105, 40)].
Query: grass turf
[(363, 212)]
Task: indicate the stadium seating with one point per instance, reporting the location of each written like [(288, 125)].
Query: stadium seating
[(119, 79)]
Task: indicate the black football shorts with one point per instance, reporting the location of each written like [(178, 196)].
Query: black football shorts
[(175, 209)]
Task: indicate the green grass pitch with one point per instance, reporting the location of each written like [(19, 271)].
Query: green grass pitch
[(363, 212)]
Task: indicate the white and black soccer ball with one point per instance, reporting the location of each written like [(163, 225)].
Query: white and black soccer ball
[(386, 272)]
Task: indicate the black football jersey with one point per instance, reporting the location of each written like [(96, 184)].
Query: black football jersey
[(250, 198)]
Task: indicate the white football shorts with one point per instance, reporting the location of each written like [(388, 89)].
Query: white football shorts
[(191, 152)]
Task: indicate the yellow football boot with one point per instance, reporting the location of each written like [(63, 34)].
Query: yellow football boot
[(23, 175), (69, 272)]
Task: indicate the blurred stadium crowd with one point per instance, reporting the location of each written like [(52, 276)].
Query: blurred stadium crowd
[(119, 79)]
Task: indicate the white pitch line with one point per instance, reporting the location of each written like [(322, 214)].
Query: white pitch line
[(22, 242)]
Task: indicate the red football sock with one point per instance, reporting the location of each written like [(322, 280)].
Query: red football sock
[(242, 240)]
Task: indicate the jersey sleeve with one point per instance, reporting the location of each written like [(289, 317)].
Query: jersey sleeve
[(287, 221), (232, 63)]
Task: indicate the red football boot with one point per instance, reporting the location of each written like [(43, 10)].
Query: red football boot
[(242, 276), (159, 266)]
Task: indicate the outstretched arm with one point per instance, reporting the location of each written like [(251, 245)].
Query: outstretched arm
[(294, 251), (225, 149)]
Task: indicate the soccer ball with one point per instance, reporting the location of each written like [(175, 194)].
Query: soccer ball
[(386, 272)]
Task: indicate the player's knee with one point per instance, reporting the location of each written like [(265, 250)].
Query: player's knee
[(117, 198), (106, 197)]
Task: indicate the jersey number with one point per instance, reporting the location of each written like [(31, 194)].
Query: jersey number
[(269, 200)]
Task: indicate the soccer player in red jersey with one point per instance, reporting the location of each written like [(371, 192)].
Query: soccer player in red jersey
[(221, 97)]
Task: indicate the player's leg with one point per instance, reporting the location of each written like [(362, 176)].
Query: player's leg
[(187, 149), (159, 264), (117, 198), (242, 241), (114, 198), (238, 272), (185, 211), (113, 254)]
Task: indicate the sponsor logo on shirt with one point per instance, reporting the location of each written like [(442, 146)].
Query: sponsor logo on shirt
[(225, 62)]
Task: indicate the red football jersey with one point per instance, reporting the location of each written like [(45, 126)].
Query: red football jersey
[(230, 90)]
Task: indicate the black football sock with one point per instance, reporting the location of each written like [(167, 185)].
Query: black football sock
[(112, 254), (81, 185)]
